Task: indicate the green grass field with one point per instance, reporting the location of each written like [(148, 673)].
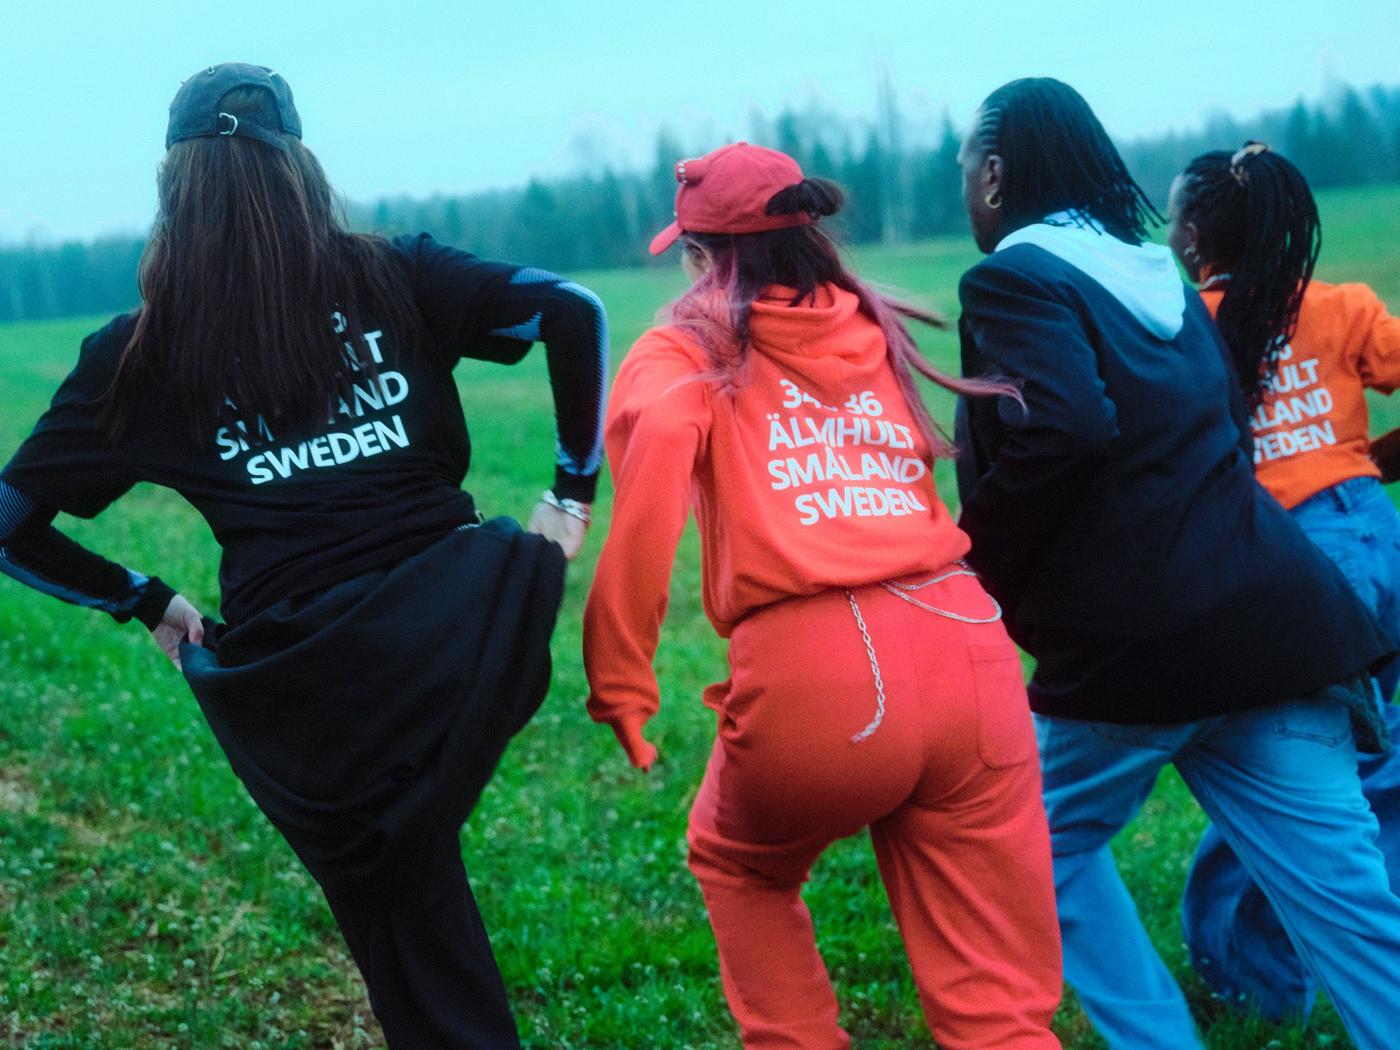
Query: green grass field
[(144, 902)]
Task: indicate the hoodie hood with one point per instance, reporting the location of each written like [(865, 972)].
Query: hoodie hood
[(1142, 277), (828, 324)]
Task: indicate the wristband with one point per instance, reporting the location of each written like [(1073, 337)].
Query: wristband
[(572, 507), (156, 596)]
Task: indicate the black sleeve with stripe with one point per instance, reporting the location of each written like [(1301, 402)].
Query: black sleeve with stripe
[(495, 311), (33, 552)]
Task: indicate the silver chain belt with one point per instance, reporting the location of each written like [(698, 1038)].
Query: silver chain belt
[(901, 591), (875, 669)]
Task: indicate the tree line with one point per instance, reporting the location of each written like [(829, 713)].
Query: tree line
[(901, 176)]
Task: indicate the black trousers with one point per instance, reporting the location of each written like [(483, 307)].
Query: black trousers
[(417, 937), (366, 733)]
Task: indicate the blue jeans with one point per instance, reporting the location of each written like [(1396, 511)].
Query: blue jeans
[(1357, 526), (1281, 784), (1236, 940)]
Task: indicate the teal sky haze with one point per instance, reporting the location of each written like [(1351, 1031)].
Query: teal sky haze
[(432, 97)]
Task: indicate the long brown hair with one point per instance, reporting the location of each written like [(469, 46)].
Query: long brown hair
[(247, 265), (716, 309)]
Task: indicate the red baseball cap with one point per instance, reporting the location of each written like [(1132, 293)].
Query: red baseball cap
[(726, 191)]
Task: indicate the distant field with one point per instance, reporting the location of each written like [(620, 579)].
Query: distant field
[(144, 902)]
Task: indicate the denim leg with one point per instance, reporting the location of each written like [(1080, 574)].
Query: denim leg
[(1280, 782), (1355, 524), (1096, 777), (1237, 944), (1380, 783), (1236, 941), (1383, 544), (1371, 527)]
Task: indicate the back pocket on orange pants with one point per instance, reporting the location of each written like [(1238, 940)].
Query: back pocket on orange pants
[(1005, 735)]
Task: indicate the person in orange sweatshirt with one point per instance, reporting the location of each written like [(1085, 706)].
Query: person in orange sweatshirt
[(1246, 228), (871, 683)]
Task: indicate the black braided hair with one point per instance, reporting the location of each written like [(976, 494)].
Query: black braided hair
[(1256, 221), (1057, 156)]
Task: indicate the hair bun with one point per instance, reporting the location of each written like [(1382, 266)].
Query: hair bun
[(1249, 149), (819, 197)]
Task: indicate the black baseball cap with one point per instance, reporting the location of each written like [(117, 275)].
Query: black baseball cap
[(195, 111)]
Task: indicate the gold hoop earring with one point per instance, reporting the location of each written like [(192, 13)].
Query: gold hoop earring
[(993, 199)]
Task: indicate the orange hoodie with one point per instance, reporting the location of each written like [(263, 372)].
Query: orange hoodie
[(1311, 430), (811, 475)]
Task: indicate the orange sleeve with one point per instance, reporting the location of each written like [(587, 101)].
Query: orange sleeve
[(1379, 335), (657, 425)]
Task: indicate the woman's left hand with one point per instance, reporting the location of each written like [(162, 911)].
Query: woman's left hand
[(182, 622), (559, 526)]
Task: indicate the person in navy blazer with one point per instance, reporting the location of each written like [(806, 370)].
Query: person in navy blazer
[(1176, 612)]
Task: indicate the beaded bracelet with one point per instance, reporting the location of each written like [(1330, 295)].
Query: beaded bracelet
[(572, 507)]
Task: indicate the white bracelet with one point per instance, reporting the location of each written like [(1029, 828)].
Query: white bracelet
[(572, 507)]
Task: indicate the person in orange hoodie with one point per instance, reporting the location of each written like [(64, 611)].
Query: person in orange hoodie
[(1246, 228), (871, 683)]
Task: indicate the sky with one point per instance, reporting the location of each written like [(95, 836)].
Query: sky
[(419, 97)]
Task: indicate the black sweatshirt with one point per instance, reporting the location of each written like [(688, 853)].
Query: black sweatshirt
[(379, 483)]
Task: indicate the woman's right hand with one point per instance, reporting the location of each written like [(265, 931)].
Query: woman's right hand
[(641, 752), (554, 523), (181, 622)]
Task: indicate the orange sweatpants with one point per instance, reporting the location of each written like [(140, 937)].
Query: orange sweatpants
[(948, 783)]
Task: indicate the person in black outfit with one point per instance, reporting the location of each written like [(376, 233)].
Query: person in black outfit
[(381, 642), (1175, 610)]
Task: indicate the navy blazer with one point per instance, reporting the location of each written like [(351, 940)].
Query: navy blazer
[(1117, 518)]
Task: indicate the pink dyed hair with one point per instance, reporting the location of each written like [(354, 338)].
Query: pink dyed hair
[(715, 310)]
